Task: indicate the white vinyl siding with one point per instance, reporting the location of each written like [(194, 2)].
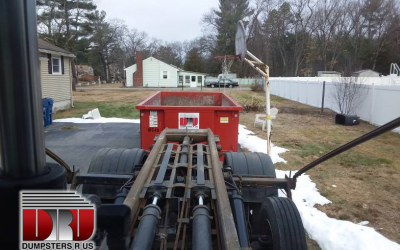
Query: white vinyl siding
[(129, 75), (192, 77), (55, 86), (153, 74)]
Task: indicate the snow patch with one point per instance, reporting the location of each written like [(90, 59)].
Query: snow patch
[(249, 140), (329, 233), (98, 120), (363, 223)]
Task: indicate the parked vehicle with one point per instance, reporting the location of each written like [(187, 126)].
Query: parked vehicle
[(222, 83)]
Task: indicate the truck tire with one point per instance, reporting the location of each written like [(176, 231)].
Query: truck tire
[(281, 221), (112, 161), (212, 85), (230, 86), (243, 163)]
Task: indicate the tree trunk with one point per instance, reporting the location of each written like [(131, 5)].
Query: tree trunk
[(108, 73), (74, 77), (104, 66)]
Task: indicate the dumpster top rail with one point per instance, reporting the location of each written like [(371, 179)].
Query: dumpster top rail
[(173, 100)]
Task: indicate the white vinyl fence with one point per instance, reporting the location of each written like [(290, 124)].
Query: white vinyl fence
[(380, 104), (245, 82), (248, 81)]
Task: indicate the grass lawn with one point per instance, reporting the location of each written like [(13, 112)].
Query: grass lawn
[(367, 178), (115, 103), (107, 109)]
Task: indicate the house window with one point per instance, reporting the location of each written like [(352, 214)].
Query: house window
[(180, 79), (165, 75), (56, 65), (199, 79), (193, 78), (187, 79)]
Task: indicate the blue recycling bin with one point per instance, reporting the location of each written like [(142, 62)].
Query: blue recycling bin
[(49, 113), (45, 104)]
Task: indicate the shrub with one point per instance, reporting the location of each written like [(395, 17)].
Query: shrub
[(255, 104), (88, 78), (256, 86)]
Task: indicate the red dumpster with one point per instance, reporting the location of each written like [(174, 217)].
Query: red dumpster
[(191, 110)]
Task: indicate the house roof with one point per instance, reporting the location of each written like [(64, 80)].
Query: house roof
[(177, 68), (47, 47), (82, 67)]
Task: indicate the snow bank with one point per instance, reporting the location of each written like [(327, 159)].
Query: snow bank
[(98, 120), (329, 233), (249, 140)]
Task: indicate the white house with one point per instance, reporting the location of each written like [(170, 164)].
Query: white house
[(154, 73)]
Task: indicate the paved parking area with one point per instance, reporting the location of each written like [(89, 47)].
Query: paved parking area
[(77, 143)]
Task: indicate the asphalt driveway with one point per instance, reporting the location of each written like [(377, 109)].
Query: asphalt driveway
[(77, 143)]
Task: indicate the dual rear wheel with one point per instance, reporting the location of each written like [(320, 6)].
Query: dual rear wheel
[(274, 221), (113, 161)]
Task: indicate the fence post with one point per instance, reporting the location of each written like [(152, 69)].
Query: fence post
[(323, 97), (298, 90), (372, 102)]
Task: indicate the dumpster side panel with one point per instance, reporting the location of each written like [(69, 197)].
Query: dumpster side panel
[(206, 118), (152, 123), (226, 125)]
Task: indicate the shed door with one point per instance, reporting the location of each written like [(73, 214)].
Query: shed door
[(193, 83)]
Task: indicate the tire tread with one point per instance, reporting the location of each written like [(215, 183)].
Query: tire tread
[(287, 227)]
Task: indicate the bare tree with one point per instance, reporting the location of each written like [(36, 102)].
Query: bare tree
[(379, 15), (333, 28), (134, 41), (348, 93), (209, 22), (304, 26)]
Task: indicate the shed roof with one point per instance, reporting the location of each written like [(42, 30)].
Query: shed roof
[(329, 72), (47, 47), (365, 70), (184, 71)]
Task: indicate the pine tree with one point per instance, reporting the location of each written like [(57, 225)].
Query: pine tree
[(60, 22), (194, 61), (229, 14)]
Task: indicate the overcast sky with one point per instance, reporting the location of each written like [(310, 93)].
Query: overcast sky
[(169, 20)]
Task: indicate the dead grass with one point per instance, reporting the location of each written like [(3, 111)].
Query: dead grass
[(111, 103), (111, 95), (367, 177), (103, 85)]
